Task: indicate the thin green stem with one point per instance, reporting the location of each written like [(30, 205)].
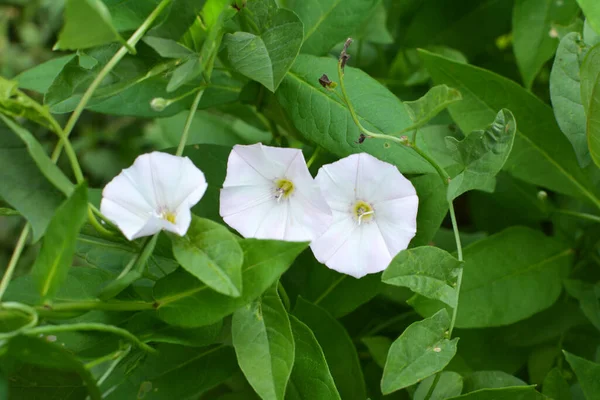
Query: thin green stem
[(433, 385), (97, 225), (329, 289), (90, 326), (188, 123), (14, 259), (114, 365), (584, 216), (95, 305), (314, 156), (87, 96), (460, 271)]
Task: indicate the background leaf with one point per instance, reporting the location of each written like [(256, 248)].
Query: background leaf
[(309, 367), (58, 248), (428, 106), (524, 393), (264, 345), (590, 96), (591, 9), (587, 374), (450, 384), (338, 349)]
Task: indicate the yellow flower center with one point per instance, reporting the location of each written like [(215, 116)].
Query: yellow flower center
[(169, 216), (284, 189), (363, 211)]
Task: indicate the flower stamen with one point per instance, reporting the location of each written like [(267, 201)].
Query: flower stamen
[(363, 210), (284, 189)]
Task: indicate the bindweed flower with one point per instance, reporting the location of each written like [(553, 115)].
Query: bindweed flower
[(155, 193), (269, 194), (374, 215)]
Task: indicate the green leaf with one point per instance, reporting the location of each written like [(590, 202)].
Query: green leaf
[(426, 270), (267, 54), (339, 294), (173, 372), (40, 77), (264, 345), (588, 375), (482, 155), (39, 156), (310, 367), (421, 351), (322, 118), (589, 298), (450, 384), (8, 212), (183, 301), (433, 207), (328, 22), (590, 96), (555, 386), (375, 28), (338, 349), (87, 24), (168, 48), (211, 253), (541, 154), (490, 380), (378, 347), (58, 248), (565, 92), (510, 276), (511, 393), (431, 104), (532, 20), (41, 353), (591, 9)]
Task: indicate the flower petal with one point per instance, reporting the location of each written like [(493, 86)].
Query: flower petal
[(397, 221), (250, 165), (337, 182), (377, 180), (352, 249), (128, 221), (244, 208), (183, 219)]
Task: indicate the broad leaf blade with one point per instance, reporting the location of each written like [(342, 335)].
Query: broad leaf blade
[(512, 393), (421, 351), (338, 348), (87, 24), (565, 92), (588, 295), (183, 301), (590, 96), (532, 20), (211, 253), (266, 56), (427, 270), (482, 155), (56, 255), (432, 103), (555, 386), (541, 154), (264, 345), (588, 374), (328, 22), (450, 384), (591, 9), (322, 118), (310, 366)]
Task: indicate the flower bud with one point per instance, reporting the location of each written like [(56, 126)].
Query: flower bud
[(542, 195), (159, 104)]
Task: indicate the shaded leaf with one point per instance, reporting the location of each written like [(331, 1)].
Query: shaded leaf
[(532, 21), (490, 380), (450, 384), (511, 393), (482, 155), (589, 298), (590, 97), (426, 270), (211, 253), (421, 351), (378, 347), (588, 375), (310, 366), (58, 248), (328, 22), (338, 349), (264, 345), (591, 9), (555, 386), (87, 24)]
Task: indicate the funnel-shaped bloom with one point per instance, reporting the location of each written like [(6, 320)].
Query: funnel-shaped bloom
[(374, 215), (269, 194), (155, 193)]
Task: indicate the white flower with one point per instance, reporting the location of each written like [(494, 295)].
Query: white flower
[(269, 194), (374, 215), (155, 193)]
